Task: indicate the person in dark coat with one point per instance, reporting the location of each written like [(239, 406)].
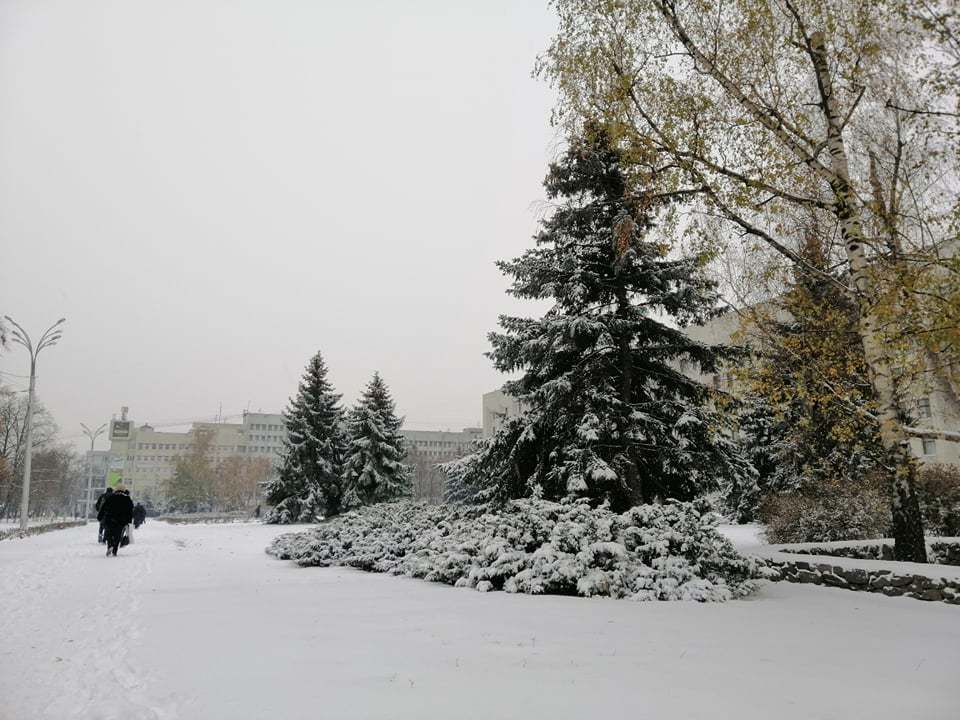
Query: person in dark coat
[(139, 515), (115, 514), (99, 504)]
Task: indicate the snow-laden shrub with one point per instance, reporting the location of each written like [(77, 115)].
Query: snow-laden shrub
[(651, 552), (835, 512), (938, 489)]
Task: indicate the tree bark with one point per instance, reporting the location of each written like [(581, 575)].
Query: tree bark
[(909, 542), (628, 467)]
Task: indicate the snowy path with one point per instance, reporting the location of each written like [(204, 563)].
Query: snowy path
[(196, 622)]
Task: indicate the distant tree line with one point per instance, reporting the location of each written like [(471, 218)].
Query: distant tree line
[(202, 483), (58, 473)]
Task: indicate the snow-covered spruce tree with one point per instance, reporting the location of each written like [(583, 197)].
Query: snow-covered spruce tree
[(607, 414), (374, 466), (758, 437), (311, 480)]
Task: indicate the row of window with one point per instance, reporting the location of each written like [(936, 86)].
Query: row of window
[(459, 444), (190, 446), (266, 426)]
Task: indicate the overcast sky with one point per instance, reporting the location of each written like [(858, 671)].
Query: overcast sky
[(211, 191)]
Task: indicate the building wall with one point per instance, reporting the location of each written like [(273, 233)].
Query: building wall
[(929, 398), (147, 458), (428, 448), (497, 407)]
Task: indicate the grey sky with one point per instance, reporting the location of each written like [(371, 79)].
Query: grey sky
[(212, 191)]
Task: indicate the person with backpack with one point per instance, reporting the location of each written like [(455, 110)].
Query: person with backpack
[(103, 496), (116, 513)]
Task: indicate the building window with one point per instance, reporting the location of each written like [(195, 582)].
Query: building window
[(923, 407), (929, 446)]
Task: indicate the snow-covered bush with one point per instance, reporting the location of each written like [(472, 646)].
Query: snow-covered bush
[(938, 489), (834, 512), (651, 552)]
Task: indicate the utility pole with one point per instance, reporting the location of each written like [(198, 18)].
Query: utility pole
[(93, 435), (20, 336)]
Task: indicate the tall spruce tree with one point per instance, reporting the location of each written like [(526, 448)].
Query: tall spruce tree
[(374, 467), (607, 412), (311, 481)]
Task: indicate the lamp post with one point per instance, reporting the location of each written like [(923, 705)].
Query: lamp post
[(93, 435), (20, 336)]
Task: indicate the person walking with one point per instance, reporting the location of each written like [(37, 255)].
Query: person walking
[(99, 504), (139, 515), (115, 514), (126, 537)]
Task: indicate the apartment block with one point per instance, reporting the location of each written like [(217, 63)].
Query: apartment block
[(144, 458)]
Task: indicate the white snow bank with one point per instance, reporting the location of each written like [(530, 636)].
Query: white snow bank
[(743, 536), (856, 543)]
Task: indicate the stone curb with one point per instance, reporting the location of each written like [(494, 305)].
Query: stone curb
[(887, 582)]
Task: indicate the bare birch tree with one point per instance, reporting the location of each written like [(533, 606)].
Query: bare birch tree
[(762, 110)]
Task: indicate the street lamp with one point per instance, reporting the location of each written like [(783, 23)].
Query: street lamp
[(93, 435), (20, 336)]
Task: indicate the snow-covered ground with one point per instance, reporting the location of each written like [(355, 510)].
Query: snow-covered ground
[(744, 537), (197, 622)]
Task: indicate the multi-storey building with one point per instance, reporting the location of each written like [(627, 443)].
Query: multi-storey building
[(427, 448), (145, 458), (497, 407), (929, 397)]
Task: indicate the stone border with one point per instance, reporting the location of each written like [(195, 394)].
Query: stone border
[(941, 551), (888, 582), (40, 529)]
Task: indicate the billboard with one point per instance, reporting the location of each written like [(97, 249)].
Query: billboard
[(115, 473), (120, 429)]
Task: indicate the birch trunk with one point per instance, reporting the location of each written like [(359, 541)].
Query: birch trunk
[(907, 522)]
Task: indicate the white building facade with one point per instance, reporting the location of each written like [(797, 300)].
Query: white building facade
[(497, 408), (144, 458), (929, 398), (428, 448)]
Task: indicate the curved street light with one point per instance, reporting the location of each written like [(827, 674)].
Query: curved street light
[(20, 336), (93, 435)]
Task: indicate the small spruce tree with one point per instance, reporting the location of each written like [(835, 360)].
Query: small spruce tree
[(310, 482), (374, 466), (608, 414)]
